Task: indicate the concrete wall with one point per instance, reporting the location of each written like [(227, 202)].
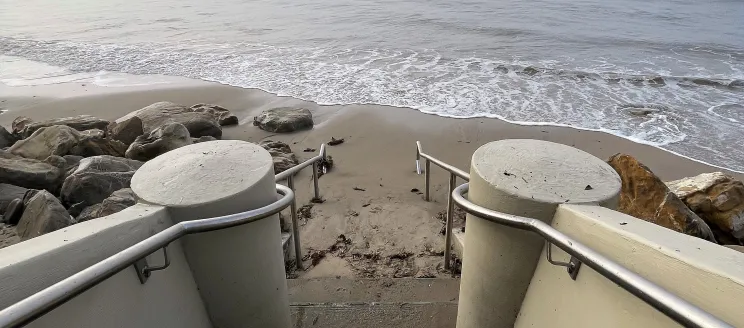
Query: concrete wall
[(120, 301), (707, 275)]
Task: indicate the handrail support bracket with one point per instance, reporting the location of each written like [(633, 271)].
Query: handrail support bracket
[(144, 271), (572, 266)]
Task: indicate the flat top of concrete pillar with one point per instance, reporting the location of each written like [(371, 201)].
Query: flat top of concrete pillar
[(545, 171), (202, 173)]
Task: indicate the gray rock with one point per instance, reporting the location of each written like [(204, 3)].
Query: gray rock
[(203, 139), (118, 201), (164, 139), (127, 131), (94, 143), (43, 214), (13, 212), (19, 124), (222, 115), (80, 123), (46, 141), (156, 115), (284, 119), (281, 155), (31, 173), (8, 193), (6, 138), (71, 163), (95, 179)]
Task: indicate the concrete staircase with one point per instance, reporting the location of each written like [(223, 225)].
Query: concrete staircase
[(373, 303)]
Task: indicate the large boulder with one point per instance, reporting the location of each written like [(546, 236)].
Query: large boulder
[(31, 173), (284, 119), (14, 211), (281, 154), (43, 214), (645, 196), (158, 114), (62, 140), (26, 127), (164, 139), (95, 179), (46, 141), (717, 198), (118, 201), (6, 138), (126, 131), (221, 114), (95, 143), (10, 192)]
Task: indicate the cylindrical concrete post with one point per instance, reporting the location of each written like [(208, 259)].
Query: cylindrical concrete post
[(528, 178), (239, 271)]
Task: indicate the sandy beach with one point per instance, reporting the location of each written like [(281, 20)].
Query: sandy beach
[(393, 232)]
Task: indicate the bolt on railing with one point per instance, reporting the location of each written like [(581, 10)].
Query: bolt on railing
[(454, 174), (289, 176)]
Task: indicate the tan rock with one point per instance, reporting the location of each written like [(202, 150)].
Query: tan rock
[(46, 141), (715, 197), (646, 197)]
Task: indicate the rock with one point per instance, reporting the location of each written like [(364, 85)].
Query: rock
[(220, 114), (94, 143), (13, 212), (62, 140), (281, 154), (164, 139), (95, 179), (43, 214), (156, 115), (118, 201), (645, 196), (79, 123), (19, 124), (31, 173), (284, 119), (8, 193), (46, 141), (6, 138), (715, 197), (203, 139), (126, 131)]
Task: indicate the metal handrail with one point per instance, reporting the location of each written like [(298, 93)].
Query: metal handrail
[(289, 176), (454, 174), (667, 303), (36, 305)]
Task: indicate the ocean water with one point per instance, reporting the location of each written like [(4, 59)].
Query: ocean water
[(588, 64)]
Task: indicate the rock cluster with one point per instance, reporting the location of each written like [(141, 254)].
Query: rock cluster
[(59, 172), (708, 206)]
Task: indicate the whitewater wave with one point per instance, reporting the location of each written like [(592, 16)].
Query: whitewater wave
[(598, 97)]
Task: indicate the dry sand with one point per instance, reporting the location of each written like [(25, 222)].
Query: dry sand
[(387, 229)]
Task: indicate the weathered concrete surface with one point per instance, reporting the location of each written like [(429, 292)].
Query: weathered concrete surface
[(528, 178), (239, 271)]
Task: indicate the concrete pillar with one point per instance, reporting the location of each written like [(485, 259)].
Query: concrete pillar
[(528, 178), (239, 271)]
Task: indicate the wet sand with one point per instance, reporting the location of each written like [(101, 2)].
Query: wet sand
[(388, 230)]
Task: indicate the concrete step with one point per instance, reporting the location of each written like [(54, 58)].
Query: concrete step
[(341, 290), (374, 303), (374, 315)]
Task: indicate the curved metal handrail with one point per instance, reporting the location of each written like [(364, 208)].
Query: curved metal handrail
[(454, 174), (36, 305), (289, 176), (297, 168), (671, 305)]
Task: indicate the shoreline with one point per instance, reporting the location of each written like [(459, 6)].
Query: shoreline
[(368, 193)]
